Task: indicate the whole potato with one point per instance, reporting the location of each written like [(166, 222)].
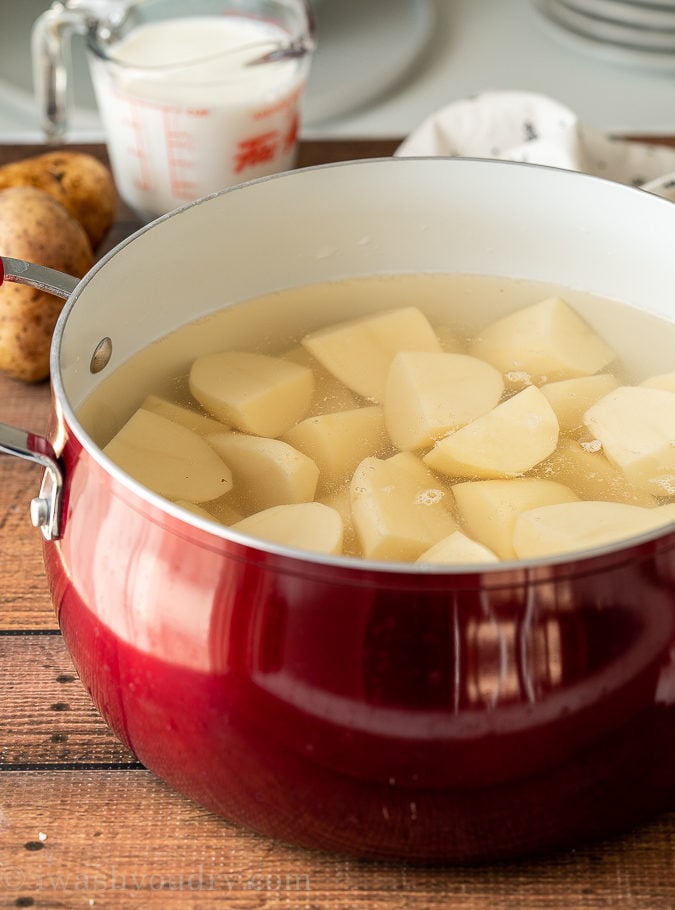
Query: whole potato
[(36, 227), (80, 182)]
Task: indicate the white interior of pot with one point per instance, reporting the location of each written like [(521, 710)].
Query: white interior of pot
[(374, 217)]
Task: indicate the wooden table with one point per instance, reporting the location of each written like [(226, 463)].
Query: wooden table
[(83, 824)]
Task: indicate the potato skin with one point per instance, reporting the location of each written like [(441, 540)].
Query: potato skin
[(35, 227), (80, 182)]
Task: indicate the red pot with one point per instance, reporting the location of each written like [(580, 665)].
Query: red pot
[(387, 710)]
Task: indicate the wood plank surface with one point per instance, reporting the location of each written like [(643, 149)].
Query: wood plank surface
[(82, 824), (143, 846)]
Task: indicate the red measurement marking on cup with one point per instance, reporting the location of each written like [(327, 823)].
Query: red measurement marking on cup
[(256, 150), (179, 148), (133, 120)]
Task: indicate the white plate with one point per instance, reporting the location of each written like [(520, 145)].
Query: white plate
[(602, 30), (611, 53), (620, 11)]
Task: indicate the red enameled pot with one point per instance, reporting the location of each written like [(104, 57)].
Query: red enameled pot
[(385, 710)]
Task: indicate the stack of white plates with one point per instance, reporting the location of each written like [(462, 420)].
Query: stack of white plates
[(633, 31)]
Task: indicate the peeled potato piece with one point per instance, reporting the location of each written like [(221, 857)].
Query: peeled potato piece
[(359, 352), (583, 468), (664, 381), (507, 441), (338, 442), (566, 527), (414, 464), (548, 341), (395, 515), (428, 394), (571, 398), (488, 508), (254, 393), (169, 459), (266, 472), (306, 525), (187, 417), (636, 426), (458, 548)]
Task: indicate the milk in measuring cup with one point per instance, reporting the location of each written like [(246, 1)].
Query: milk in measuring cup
[(177, 132)]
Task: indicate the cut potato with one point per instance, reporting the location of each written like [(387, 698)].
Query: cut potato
[(636, 426), (458, 548), (488, 508), (307, 526), (565, 527), (548, 341), (583, 468), (506, 442), (169, 459), (665, 381), (395, 515), (187, 417), (414, 464), (266, 472), (252, 392), (429, 393), (571, 398), (359, 352), (338, 442), (329, 393)]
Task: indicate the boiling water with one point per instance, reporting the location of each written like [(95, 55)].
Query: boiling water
[(461, 304)]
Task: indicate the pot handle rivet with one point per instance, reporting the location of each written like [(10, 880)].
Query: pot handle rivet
[(101, 356)]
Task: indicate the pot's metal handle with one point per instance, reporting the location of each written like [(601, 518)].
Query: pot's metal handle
[(45, 509), (37, 276)]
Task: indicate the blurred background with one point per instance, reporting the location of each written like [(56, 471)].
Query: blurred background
[(384, 65)]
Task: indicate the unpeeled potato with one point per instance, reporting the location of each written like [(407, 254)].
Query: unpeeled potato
[(81, 183), (35, 227)]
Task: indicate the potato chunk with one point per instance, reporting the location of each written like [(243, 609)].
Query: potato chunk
[(359, 351), (428, 394), (169, 459), (507, 441), (306, 525), (187, 417), (636, 426), (548, 340), (664, 381), (266, 472), (254, 393), (565, 527), (583, 468), (488, 508), (395, 515), (338, 442), (457, 548), (571, 398)]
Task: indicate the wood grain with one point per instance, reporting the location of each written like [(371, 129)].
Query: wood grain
[(143, 846)]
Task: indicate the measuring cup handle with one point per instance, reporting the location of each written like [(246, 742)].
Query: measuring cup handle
[(51, 36)]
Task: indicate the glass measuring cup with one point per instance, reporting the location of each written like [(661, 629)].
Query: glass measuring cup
[(194, 95)]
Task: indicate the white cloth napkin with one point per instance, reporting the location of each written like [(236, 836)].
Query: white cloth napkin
[(522, 126)]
